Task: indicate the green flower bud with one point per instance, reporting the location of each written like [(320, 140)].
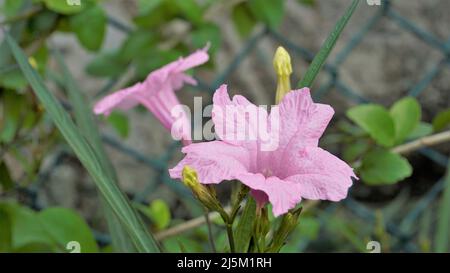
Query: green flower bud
[(204, 194)]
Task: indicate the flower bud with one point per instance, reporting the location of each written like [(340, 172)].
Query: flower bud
[(283, 68), (204, 194), (288, 224)]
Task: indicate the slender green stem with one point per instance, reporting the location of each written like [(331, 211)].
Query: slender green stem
[(230, 237)]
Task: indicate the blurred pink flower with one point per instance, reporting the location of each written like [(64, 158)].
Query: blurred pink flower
[(296, 169), (157, 93)]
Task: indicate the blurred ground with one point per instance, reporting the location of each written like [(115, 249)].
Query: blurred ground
[(383, 68)]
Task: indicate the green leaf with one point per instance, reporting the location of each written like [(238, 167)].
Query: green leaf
[(158, 212), (443, 227), (355, 150), (326, 48), (153, 59), (90, 27), (64, 225), (115, 198), (146, 6), (13, 104), (243, 19), (5, 232), (244, 228), (381, 167), (137, 44), (270, 12), (191, 10), (6, 181), (406, 114), (120, 122), (107, 64), (422, 129), (207, 33), (25, 226), (121, 240), (11, 8), (64, 7), (441, 121), (13, 80), (376, 121)]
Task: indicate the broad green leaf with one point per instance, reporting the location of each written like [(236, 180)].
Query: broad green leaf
[(243, 19), (207, 33), (381, 167), (12, 7), (270, 12), (355, 150), (115, 198), (441, 121), (191, 10), (158, 212), (120, 123), (108, 64), (376, 121), (25, 226), (6, 182), (406, 114), (244, 228), (422, 129), (137, 44), (90, 27), (65, 6), (326, 48), (64, 225), (153, 59), (13, 80)]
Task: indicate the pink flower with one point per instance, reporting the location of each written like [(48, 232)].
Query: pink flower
[(296, 169), (157, 93)]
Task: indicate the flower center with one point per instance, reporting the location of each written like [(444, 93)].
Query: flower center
[(267, 173)]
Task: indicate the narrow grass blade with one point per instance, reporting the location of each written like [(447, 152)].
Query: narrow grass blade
[(443, 227), (86, 122), (110, 191), (326, 48)]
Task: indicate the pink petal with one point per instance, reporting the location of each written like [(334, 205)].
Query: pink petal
[(123, 99), (283, 195), (236, 121), (213, 161), (161, 105), (195, 59), (301, 117), (319, 174)]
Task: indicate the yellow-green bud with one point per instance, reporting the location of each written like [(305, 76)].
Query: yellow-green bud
[(283, 68), (287, 225), (205, 195)]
